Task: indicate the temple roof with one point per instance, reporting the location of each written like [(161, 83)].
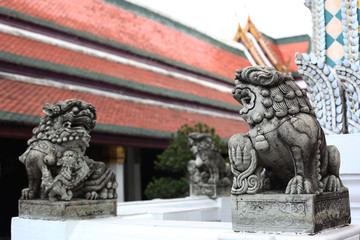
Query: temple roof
[(258, 47), (146, 74)]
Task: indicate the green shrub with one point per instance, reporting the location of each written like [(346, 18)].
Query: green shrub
[(167, 187), (172, 163), (175, 158)]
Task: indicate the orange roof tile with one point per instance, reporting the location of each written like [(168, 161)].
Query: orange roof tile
[(110, 22), (28, 99), (49, 53)]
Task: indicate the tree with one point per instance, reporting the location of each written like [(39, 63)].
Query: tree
[(172, 163)]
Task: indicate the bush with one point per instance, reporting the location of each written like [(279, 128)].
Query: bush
[(172, 163), (167, 187)]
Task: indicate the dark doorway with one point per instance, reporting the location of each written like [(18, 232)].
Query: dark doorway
[(13, 179), (148, 156)]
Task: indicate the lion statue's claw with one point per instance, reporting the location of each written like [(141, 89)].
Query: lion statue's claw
[(26, 193), (211, 180), (332, 184), (91, 196), (67, 196), (225, 181), (299, 185)]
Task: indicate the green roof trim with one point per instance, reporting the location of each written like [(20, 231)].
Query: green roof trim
[(132, 131), (287, 40), (101, 40), (19, 118), (295, 74), (294, 39), (34, 120), (268, 38), (139, 131), (39, 64), (106, 128)]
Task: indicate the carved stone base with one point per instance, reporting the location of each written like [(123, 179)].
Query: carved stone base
[(211, 190), (63, 210), (277, 212)]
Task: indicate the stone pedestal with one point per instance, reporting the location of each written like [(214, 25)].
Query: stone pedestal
[(210, 190), (66, 210), (299, 213)]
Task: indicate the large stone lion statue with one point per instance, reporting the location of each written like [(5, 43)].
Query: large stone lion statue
[(55, 160), (285, 148)]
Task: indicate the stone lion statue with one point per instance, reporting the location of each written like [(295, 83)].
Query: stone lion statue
[(285, 147), (208, 166), (55, 160)]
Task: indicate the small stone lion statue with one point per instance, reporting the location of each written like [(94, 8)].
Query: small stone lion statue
[(285, 148), (73, 170), (209, 167), (55, 160)]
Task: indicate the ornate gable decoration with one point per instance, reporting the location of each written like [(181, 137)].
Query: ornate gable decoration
[(256, 44)]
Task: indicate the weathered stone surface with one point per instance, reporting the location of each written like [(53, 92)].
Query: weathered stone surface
[(300, 213), (211, 190), (55, 159), (285, 148), (65, 210), (285, 151), (209, 173)]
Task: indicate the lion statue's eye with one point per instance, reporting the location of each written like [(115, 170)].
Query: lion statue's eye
[(67, 124), (75, 109), (245, 100)]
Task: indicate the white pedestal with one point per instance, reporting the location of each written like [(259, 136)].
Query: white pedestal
[(200, 208), (117, 228), (351, 232)]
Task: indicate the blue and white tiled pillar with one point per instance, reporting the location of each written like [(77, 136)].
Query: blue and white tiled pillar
[(331, 70)]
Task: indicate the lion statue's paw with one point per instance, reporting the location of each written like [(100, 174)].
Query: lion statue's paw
[(332, 184), (92, 195), (211, 180), (225, 181), (299, 185), (68, 196), (26, 193)]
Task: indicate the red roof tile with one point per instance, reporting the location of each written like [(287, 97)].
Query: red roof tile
[(25, 98), (289, 50), (49, 53), (116, 24)]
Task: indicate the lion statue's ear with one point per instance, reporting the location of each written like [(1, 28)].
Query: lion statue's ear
[(50, 109)]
